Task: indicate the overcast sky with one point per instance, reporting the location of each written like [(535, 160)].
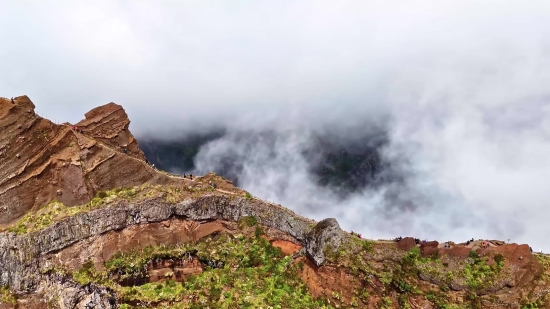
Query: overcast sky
[(462, 89)]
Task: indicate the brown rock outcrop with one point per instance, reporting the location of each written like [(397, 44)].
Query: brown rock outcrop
[(429, 244), (41, 161), (109, 124), (406, 244)]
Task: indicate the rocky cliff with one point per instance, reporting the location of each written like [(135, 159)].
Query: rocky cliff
[(123, 235), (42, 161)]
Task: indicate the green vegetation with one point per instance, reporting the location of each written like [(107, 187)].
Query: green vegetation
[(255, 275), (56, 211), (248, 221), (6, 296), (535, 305), (478, 274), (402, 277)]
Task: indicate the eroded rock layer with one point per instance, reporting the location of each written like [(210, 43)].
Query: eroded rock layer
[(41, 161)]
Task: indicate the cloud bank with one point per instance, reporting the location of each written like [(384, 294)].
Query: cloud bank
[(459, 90)]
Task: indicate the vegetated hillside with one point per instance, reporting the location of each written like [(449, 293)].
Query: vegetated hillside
[(204, 243)]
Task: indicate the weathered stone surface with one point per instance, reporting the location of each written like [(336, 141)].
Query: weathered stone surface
[(325, 233), (406, 244), (24, 257), (69, 294), (430, 251), (41, 161), (458, 252)]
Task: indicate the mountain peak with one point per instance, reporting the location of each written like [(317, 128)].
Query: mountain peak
[(42, 161)]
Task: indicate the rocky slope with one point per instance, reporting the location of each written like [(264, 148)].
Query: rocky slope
[(140, 238), (42, 161)]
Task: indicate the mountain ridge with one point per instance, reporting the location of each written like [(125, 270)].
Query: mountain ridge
[(137, 237)]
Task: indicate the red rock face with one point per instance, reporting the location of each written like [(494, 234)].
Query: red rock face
[(406, 244), (109, 124), (458, 252), (177, 273), (41, 161), (429, 251), (429, 244)]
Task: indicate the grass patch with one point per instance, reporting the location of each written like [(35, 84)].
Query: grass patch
[(478, 274), (55, 211), (6, 296), (248, 221)]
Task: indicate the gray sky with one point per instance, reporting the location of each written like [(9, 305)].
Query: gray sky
[(465, 85)]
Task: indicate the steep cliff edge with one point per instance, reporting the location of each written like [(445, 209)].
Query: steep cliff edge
[(42, 161), (89, 225)]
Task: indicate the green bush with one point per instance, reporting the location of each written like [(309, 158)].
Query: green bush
[(248, 221), (499, 258)]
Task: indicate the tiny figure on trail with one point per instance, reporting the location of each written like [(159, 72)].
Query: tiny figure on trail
[(359, 235), (12, 101), (73, 128), (531, 249), (146, 161), (125, 150)]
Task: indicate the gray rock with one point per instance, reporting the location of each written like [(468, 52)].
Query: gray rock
[(68, 294), (325, 235), (24, 258)]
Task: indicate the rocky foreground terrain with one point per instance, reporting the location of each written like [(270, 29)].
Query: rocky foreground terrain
[(86, 223)]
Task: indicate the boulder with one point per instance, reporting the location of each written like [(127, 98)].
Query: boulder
[(406, 244), (429, 244), (459, 252), (326, 233)]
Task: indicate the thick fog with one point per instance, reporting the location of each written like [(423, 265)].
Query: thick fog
[(459, 89)]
